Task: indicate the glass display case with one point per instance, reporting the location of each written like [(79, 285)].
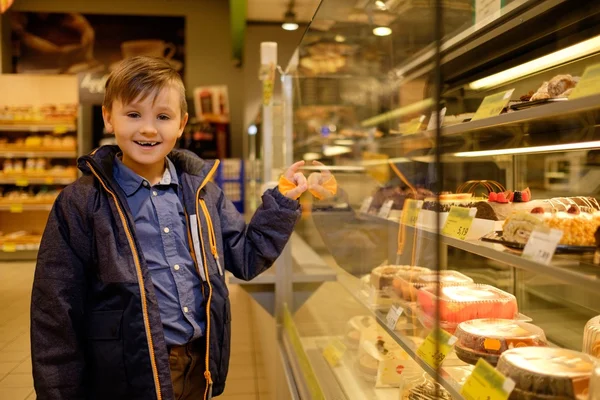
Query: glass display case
[(464, 139)]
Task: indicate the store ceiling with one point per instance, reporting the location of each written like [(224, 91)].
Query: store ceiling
[(273, 10)]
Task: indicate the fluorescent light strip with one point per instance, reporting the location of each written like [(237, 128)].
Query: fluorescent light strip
[(528, 150), (571, 53)]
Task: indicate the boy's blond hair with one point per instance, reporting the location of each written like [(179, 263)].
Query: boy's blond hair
[(142, 76)]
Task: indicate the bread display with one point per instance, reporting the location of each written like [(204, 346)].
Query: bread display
[(463, 303), (407, 286), (546, 372), (488, 338)]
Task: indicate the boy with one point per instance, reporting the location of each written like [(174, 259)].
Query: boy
[(129, 299)]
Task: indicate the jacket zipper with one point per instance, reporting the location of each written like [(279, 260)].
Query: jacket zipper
[(140, 277)]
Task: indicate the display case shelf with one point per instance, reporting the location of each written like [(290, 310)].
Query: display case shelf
[(24, 181), (37, 153), (63, 128), (19, 207)]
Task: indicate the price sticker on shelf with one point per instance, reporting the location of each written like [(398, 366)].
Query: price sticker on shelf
[(22, 182), (9, 247), (493, 105), (393, 316), (589, 83), (386, 208), (366, 204), (410, 212), (16, 208), (413, 126), (542, 244), (334, 352), (486, 383), (433, 354), (60, 130), (459, 222), (432, 125), (49, 180)]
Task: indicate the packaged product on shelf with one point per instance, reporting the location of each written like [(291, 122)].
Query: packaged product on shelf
[(407, 285), (354, 329), (396, 368), (488, 338), (426, 390), (463, 303), (547, 373), (591, 337), (383, 277), (398, 195)]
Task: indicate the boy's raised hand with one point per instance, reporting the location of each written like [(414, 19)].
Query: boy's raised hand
[(322, 184), (293, 176)]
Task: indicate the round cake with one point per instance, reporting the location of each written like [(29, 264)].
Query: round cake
[(545, 372), (408, 285), (383, 276)]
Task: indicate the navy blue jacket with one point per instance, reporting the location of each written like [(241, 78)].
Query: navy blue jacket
[(96, 331)]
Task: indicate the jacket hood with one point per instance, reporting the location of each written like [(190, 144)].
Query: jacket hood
[(184, 160)]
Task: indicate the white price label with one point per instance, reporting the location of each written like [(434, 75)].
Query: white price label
[(385, 209), (393, 315), (542, 244), (433, 120), (366, 204)]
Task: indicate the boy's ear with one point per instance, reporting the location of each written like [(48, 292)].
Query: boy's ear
[(184, 121), (107, 120)]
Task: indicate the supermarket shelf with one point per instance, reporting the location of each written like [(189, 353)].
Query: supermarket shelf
[(20, 252), (554, 117), (23, 181), (574, 270), (18, 207), (38, 128), (37, 153)]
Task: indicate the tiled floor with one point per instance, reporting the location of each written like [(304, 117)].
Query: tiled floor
[(246, 379)]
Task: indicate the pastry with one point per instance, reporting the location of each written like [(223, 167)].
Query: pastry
[(559, 84), (407, 286), (355, 328), (488, 338), (591, 337), (546, 372), (541, 93), (427, 391), (463, 303)]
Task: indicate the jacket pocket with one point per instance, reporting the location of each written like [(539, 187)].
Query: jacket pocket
[(105, 349), (225, 342)]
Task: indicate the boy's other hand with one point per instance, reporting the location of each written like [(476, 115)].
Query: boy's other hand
[(297, 178), (322, 184)]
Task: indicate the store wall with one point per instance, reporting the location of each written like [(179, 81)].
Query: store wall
[(208, 42)]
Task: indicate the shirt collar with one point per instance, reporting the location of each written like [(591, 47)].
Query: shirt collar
[(130, 182)]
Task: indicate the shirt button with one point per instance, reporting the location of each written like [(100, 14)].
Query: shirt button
[(185, 309), (166, 230), (154, 193), (145, 183), (176, 267)]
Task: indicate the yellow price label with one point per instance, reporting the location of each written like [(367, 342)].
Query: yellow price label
[(60, 130), (9, 247), (486, 383), (436, 347), (410, 212), (589, 83), (22, 182), (493, 105), (16, 208), (334, 352), (49, 180), (413, 126), (459, 222)]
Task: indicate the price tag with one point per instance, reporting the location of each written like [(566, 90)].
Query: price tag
[(486, 383), (588, 84), (16, 208), (542, 244), (385, 209), (22, 182), (410, 212), (459, 222), (60, 130), (413, 126), (9, 247), (366, 204), (334, 352), (49, 180), (432, 121), (393, 315), (435, 355), (493, 105)]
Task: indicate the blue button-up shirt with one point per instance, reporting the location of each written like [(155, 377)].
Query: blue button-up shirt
[(161, 230)]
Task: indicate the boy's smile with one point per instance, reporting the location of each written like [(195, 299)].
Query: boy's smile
[(147, 130)]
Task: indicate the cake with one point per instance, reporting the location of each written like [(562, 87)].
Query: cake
[(408, 285), (383, 276), (354, 330), (427, 391), (488, 338), (546, 372), (591, 337), (463, 303), (395, 367), (398, 195)]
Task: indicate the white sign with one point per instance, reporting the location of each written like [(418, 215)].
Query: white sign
[(432, 121), (487, 9), (393, 315), (542, 244), (385, 209), (366, 204)]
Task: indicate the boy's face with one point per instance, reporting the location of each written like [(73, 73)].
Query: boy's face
[(147, 130)]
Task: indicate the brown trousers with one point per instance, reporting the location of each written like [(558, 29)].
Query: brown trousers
[(187, 370)]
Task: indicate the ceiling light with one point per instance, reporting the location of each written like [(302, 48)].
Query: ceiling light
[(289, 21), (340, 38), (382, 31), (571, 53), (381, 5), (528, 150), (252, 130)]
